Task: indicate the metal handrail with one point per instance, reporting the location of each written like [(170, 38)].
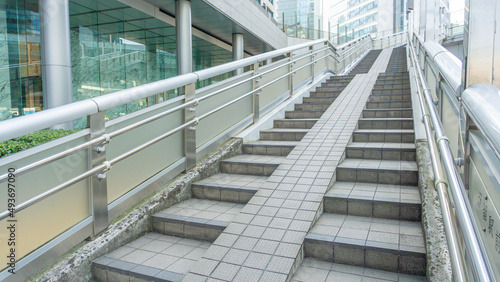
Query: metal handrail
[(454, 181), (107, 165)]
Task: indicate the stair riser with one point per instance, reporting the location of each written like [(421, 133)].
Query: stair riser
[(390, 97), (377, 209), (299, 114), (241, 196), (311, 107), (248, 168), (390, 91), (187, 229), (294, 124), (282, 136), (267, 150), (324, 94), (385, 124), (377, 258), (399, 177), (381, 154), (337, 88), (392, 86), (388, 105), (388, 113), (384, 137), (318, 100)]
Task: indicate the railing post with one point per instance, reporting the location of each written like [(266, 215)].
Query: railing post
[(311, 48), (98, 183), (256, 95), (290, 73), (327, 58), (190, 132)]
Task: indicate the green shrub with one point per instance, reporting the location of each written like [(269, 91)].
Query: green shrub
[(31, 140)]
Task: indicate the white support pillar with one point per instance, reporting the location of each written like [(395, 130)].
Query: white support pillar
[(238, 49), (184, 36), (56, 55)]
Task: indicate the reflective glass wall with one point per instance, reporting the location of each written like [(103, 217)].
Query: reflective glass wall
[(113, 47)]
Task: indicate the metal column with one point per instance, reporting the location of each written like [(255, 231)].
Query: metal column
[(184, 36), (238, 49), (185, 65), (56, 55)]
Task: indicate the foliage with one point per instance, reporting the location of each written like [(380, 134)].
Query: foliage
[(31, 140)]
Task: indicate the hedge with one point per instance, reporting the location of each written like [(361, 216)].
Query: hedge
[(31, 140)]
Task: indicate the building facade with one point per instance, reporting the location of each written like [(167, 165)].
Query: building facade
[(351, 19), (115, 44), (302, 18)]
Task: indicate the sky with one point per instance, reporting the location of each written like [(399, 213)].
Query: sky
[(457, 11)]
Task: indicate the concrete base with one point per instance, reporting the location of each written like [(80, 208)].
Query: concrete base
[(75, 266), (438, 258)]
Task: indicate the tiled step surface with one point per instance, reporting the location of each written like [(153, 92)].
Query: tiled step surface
[(236, 188), (251, 164), (388, 113), (312, 107), (303, 114), (385, 123), (391, 91), (321, 271), (317, 100), (153, 257), (389, 104), (378, 171), (389, 97), (381, 151), (273, 148), (283, 134), (385, 244), (374, 200), (198, 219), (303, 123), (384, 135)]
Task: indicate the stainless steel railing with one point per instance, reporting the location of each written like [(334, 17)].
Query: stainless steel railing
[(245, 97), (458, 217)]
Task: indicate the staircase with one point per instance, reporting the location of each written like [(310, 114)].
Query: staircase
[(370, 228), (182, 233)]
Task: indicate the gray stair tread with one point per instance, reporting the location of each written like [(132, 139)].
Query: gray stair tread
[(272, 143), (317, 270), (388, 234), (381, 145), (388, 119), (153, 256), (202, 211), (238, 181), (285, 130), (264, 159), (297, 119), (375, 192), (391, 109), (384, 131), (379, 164)]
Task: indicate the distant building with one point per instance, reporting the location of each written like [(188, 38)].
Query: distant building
[(354, 18), (269, 6), (303, 18)]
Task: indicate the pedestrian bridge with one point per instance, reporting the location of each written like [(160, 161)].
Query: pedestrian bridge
[(312, 163)]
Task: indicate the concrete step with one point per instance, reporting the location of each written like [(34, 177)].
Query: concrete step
[(234, 188), (316, 270), (199, 219), (385, 244), (335, 84), (251, 164), (304, 123), (153, 257), (303, 114), (385, 123), (389, 97), (384, 135), (324, 93), (378, 171), (392, 79), (391, 86), (400, 202), (318, 99), (388, 104), (270, 148), (388, 113), (381, 151), (391, 91), (312, 107), (338, 88), (283, 134)]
